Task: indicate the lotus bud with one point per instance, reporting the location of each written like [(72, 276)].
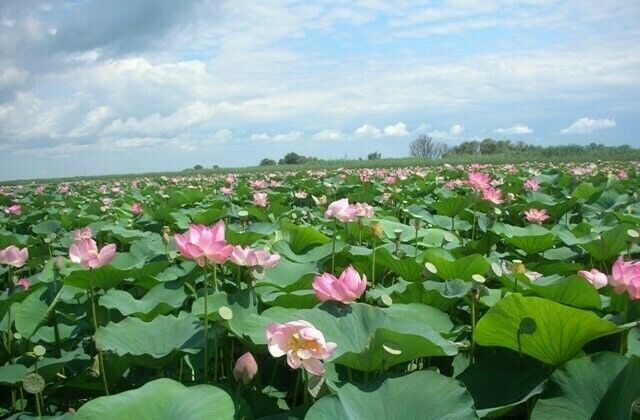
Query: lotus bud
[(166, 231), (58, 263), (376, 229), (245, 368)]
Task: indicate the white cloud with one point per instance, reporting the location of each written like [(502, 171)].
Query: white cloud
[(516, 129), (287, 137), (456, 130), (260, 136), (93, 121), (396, 130), (587, 125), (328, 134), (367, 130)]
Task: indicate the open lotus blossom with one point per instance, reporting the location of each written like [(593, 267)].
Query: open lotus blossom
[(260, 199), (16, 209), (250, 257), (341, 210), (136, 208), (86, 252), (301, 194), (625, 276), (531, 185), (245, 368), (14, 256), (535, 215), (24, 283), (84, 233), (226, 191), (479, 181), (364, 210), (303, 344), (202, 244), (493, 195), (346, 289), (595, 277)]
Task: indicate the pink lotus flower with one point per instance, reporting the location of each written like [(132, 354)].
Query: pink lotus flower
[(258, 184), (346, 289), (136, 208), (14, 256), (39, 190), (24, 283), (84, 233), (63, 189), (303, 344), (595, 277), (536, 216), (363, 210), (454, 183), (493, 195), (86, 252), (479, 181), (622, 174), (341, 210), (260, 199), (531, 185), (202, 244), (106, 201), (226, 191), (250, 257), (16, 209), (245, 368), (625, 276)]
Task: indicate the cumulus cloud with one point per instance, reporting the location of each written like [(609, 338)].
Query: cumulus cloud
[(292, 135), (588, 125), (367, 130), (371, 131), (456, 130), (516, 129), (328, 134)]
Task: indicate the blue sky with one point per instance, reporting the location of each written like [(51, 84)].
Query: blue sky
[(94, 87)]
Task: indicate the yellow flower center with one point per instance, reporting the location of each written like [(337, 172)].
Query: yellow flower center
[(297, 343)]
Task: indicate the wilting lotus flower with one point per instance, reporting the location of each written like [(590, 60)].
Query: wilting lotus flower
[(303, 344), (136, 208), (24, 283), (341, 210), (535, 215), (250, 257), (245, 368), (479, 181), (16, 209), (363, 210), (531, 185), (202, 243), (320, 201), (86, 252), (14, 256), (625, 276), (595, 277), (493, 195), (84, 233), (346, 289), (260, 199)]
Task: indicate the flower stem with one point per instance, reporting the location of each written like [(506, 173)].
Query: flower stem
[(206, 324), (95, 330), (333, 249)]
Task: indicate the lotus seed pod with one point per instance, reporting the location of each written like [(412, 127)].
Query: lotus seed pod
[(33, 383)]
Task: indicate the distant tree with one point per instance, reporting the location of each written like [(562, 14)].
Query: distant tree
[(198, 167), (425, 147), (293, 158), (374, 156), (267, 162), (489, 147)]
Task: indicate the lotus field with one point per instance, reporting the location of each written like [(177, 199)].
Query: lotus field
[(451, 292)]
